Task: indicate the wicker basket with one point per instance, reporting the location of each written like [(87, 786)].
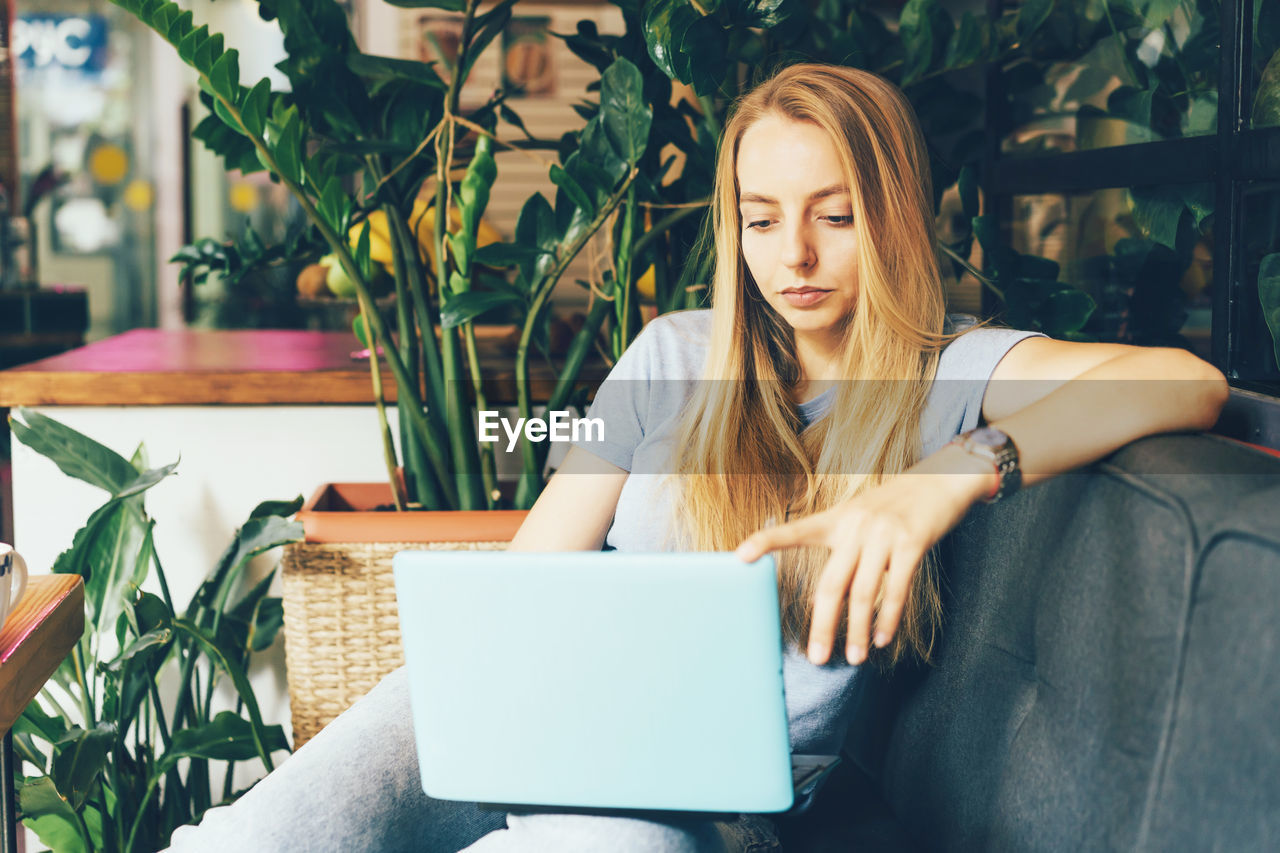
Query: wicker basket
[(341, 629), (342, 632)]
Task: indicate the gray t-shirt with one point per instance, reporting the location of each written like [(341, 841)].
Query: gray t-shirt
[(640, 403)]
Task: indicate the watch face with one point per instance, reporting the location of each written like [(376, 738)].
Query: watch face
[(989, 437)]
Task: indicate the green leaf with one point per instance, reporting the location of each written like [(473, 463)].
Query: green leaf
[(391, 68), (145, 480), (1157, 12), (232, 146), (660, 36), (207, 53), (1156, 211), (448, 5), (573, 190), (461, 307), (50, 816), (706, 47), (504, 255), (280, 508), (82, 757), (255, 106), (265, 738), (36, 721), (917, 38), (1269, 296), (335, 204), (363, 259), (494, 21), (75, 454), (1199, 200), (473, 192), (965, 47), (108, 553), (149, 640), (58, 832), (226, 737), (224, 77), (596, 149), (268, 619), (1266, 101), (187, 47), (1066, 311), (288, 149), (766, 13), (179, 29), (358, 329), (256, 536), (625, 115), (263, 615), (460, 245)]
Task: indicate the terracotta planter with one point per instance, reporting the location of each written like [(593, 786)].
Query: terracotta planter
[(342, 632)]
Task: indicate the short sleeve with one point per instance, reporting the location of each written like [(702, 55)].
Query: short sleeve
[(620, 405), (964, 371)]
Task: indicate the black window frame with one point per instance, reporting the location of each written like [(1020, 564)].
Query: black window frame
[(1230, 159)]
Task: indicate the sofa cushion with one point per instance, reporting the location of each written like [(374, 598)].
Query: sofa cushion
[(1218, 779), (1043, 721)]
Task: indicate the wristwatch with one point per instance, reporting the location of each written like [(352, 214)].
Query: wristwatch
[(994, 446)]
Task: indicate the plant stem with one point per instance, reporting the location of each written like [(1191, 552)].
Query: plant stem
[(29, 755), (339, 247), (577, 354), (526, 488), (388, 448), (86, 702), (625, 254), (142, 810), (443, 492), (488, 468), (461, 431), (972, 271)]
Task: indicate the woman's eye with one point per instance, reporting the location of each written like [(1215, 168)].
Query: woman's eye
[(758, 224), (839, 220)]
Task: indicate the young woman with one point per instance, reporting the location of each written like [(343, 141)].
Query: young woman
[(824, 409)]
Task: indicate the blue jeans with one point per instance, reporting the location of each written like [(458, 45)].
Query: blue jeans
[(356, 786)]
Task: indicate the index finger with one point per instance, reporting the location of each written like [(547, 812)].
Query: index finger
[(805, 531)]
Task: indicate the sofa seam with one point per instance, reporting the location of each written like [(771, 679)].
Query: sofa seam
[(1191, 569)]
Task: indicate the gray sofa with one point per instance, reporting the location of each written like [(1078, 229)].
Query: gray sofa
[(1108, 678)]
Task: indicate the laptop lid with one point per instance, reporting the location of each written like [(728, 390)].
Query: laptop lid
[(596, 679)]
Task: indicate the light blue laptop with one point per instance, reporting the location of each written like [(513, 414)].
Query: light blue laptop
[(598, 680)]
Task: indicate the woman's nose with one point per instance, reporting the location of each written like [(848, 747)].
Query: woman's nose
[(797, 250)]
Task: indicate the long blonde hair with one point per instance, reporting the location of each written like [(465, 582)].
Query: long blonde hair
[(743, 456)]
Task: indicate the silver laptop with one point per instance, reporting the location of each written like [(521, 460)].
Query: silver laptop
[(599, 680)]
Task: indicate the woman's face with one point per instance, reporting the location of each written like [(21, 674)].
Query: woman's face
[(798, 238)]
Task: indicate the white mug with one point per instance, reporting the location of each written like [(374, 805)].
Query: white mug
[(13, 579)]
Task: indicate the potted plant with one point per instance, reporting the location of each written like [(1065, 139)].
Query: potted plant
[(373, 149), (127, 743)]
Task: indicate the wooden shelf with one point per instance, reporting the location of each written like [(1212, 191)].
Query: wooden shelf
[(154, 367)]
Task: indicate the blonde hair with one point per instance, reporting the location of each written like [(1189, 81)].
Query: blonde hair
[(743, 456)]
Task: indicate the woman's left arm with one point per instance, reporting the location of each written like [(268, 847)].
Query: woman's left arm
[(1064, 404)]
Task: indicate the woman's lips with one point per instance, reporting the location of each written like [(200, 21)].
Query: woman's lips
[(806, 297)]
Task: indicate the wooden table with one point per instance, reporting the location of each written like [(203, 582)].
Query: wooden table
[(38, 634)]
